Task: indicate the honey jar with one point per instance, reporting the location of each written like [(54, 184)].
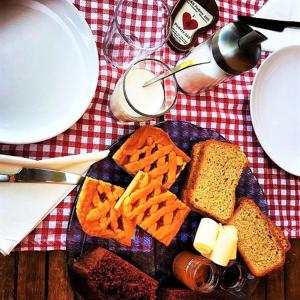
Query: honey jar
[(196, 272)]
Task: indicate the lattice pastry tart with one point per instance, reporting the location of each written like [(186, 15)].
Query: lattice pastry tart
[(151, 150), (96, 213), (155, 210)]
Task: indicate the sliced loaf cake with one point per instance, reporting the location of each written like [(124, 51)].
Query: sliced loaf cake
[(214, 174), (259, 243), (196, 150), (286, 245)]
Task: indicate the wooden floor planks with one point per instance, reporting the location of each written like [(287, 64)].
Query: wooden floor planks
[(58, 281), (292, 272), (43, 276), (7, 277), (31, 277)]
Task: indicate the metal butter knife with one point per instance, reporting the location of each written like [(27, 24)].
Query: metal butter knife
[(42, 176), (270, 24)]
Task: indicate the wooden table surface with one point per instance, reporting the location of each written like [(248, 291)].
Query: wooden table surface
[(43, 275)]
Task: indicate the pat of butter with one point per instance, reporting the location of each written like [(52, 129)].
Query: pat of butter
[(225, 247), (206, 236), (233, 230)]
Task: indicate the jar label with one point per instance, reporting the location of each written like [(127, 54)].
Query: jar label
[(189, 19)]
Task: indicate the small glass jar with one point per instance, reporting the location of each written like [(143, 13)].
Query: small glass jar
[(130, 101), (237, 281), (195, 272), (233, 277)]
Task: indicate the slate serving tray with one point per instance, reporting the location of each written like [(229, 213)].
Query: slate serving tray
[(146, 253)]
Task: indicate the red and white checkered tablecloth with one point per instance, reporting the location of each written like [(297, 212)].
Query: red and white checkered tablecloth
[(224, 109)]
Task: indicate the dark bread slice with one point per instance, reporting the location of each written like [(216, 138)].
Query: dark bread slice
[(214, 175), (257, 241), (102, 275)]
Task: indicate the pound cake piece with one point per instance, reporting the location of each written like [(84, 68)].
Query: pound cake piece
[(196, 152), (258, 244), (286, 245), (96, 213), (101, 274), (214, 175), (151, 150), (156, 211)]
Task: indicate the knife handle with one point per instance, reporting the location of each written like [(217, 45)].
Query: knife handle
[(293, 24), (4, 178)]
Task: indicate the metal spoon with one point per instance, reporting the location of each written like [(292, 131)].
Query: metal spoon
[(186, 64)]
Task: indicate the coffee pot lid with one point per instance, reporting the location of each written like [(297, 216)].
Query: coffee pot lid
[(236, 47)]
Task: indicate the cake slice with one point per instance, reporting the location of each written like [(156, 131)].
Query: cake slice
[(214, 175), (258, 243), (101, 274), (196, 152), (96, 213), (156, 211), (285, 244), (151, 150)]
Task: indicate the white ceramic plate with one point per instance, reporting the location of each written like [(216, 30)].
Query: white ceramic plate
[(275, 108), (48, 69)]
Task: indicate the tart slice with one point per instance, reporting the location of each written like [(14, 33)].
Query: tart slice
[(155, 210), (151, 150), (96, 213)]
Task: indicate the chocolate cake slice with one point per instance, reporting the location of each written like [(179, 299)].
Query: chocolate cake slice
[(101, 274)]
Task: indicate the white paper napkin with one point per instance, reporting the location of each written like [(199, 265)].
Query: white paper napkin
[(287, 10), (24, 205)]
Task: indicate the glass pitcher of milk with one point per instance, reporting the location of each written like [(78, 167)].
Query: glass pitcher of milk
[(130, 101), (235, 48)]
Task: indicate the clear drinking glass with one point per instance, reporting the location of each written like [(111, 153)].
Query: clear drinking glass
[(130, 101), (137, 29)]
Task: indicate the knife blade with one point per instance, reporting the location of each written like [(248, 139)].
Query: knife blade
[(42, 176), (270, 24)]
